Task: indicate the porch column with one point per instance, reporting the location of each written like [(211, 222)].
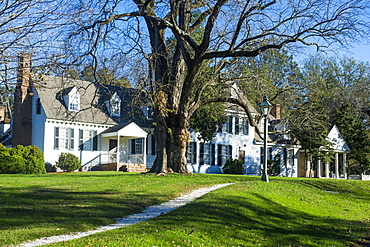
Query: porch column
[(345, 165), (144, 149), (308, 169), (327, 169), (336, 166), (318, 168), (118, 150)]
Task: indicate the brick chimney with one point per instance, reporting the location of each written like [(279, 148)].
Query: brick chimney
[(276, 111), (22, 117), (2, 113)]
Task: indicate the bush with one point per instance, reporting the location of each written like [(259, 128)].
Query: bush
[(11, 164), (68, 162), (2, 147), (35, 162), (20, 159), (233, 167)]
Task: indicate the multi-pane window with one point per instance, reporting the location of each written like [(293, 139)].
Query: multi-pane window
[(207, 154), (63, 138), (245, 126), (88, 140), (235, 125), (224, 153), (116, 107), (229, 124), (191, 153), (74, 102), (137, 146)]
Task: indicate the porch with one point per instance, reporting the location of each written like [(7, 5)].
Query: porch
[(122, 149)]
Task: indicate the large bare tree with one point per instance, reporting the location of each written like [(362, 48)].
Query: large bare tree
[(179, 38), (25, 26)]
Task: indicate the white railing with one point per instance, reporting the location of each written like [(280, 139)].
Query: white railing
[(91, 163), (106, 158), (135, 159)]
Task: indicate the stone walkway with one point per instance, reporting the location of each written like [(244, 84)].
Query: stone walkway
[(148, 213)]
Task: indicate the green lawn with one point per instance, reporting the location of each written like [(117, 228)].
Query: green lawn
[(284, 212)]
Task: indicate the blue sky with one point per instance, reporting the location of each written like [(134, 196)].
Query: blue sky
[(361, 52)]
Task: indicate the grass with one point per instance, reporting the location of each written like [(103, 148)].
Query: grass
[(284, 212)]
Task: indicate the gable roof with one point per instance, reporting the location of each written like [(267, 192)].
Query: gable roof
[(51, 89), (127, 130), (338, 142)]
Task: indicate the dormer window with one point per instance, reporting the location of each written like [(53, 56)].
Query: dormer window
[(114, 106), (72, 100), (148, 112)]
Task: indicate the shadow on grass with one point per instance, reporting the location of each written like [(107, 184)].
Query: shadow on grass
[(41, 212), (253, 218)]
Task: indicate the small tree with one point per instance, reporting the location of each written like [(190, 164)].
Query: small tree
[(68, 162), (233, 167)]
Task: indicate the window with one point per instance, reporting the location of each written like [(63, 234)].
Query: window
[(114, 105), (237, 126), (88, 140), (56, 138), (148, 112), (207, 154), (137, 146), (63, 138), (38, 106), (229, 124), (116, 108), (224, 153), (191, 153), (245, 126), (73, 100), (74, 105)]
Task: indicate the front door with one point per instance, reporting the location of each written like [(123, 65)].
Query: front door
[(113, 145), (241, 155)]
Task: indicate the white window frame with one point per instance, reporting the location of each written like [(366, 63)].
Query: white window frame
[(64, 138)]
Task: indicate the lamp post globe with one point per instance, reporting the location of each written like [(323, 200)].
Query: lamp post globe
[(265, 107)]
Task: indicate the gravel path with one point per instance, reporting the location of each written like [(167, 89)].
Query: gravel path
[(148, 213)]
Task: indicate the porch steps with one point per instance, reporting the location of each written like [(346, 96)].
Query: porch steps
[(123, 167), (133, 168)]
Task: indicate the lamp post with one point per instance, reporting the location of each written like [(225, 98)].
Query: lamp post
[(265, 107)]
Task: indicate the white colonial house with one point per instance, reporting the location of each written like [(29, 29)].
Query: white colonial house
[(110, 128), (337, 168)]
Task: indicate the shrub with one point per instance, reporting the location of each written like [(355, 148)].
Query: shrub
[(30, 160), (11, 164), (68, 162), (233, 167), (2, 147)]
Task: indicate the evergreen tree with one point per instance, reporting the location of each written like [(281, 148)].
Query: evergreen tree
[(354, 132)]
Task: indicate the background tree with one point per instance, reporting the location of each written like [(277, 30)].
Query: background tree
[(331, 96), (141, 27), (354, 132), (273, 73), (26, 26)]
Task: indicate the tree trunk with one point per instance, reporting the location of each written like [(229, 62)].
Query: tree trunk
[(160, 164), (180, 138)]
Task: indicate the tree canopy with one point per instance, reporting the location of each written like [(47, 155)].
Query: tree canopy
[(229, 30)]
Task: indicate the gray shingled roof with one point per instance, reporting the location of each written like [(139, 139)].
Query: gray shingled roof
[(92, 102)]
